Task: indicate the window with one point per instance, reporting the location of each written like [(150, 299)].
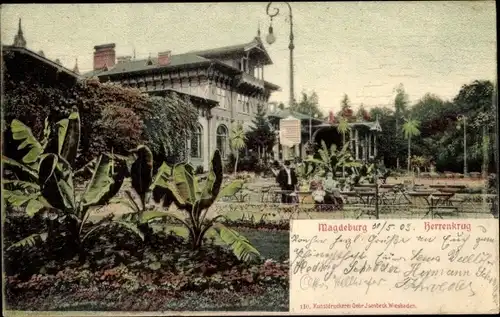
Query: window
[(222, 140), (196, 142)]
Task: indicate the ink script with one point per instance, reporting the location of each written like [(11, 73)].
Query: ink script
[(394, 266)]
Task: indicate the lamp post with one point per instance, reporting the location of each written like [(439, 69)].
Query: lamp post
[(464, 120), (271, 39)]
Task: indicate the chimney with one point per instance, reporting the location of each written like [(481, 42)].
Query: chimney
[(164, 58), (123, 59), (104, 56)]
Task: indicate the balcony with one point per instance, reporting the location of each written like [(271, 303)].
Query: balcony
[(248, 81)]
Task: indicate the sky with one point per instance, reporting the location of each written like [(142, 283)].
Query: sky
[(362, 49)]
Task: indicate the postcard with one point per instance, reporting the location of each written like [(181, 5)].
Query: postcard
[(281, 158)]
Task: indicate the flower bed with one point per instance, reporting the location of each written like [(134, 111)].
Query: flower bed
[(120, 269)]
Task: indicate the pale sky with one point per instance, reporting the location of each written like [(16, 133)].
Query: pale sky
[(363, 49)]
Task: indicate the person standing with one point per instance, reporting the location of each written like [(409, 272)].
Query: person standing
[(287, 180)]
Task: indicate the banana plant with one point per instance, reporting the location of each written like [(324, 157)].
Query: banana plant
[(306, 170), (58, 194), (30, 149), (184, 190), (332, 160), (143, 183)]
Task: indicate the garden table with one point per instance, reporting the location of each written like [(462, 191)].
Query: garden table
[(435, 201)]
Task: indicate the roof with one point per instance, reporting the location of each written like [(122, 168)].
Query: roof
[(198, 99), (285, 113), (374, 126), (142, 64), (256, 43), (43, 59)]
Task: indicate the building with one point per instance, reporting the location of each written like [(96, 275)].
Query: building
[(226, 85), (363, 142)]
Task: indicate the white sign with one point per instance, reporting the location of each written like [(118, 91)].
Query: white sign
[(290, 131), (394, 266)]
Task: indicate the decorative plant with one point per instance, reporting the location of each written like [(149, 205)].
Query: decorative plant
[(343, 127), (306, 170), (57, 191), (363, 173), (237, 140), (410, 130), (331, 160), (184, 190)]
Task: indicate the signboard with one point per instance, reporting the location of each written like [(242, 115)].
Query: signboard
[(290, 131)]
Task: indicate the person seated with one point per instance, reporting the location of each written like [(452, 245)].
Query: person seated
[(333, 196)]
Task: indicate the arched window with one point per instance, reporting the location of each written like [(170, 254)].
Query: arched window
[(196, 142), (222, 140)]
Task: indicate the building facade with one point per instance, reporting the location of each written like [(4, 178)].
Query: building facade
[(225, 84)]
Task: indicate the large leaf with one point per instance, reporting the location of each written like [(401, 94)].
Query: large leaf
[(69, 137), (231, 189), (56, 182), (120, 223), (241, 247), (20, 185), (184, 180), (214, 178), (100, 184), (21, 171), (21, 132), (142, 172), (29, 241)]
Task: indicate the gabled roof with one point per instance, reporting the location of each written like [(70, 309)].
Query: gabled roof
[(43, 59), (255, 44), (142, 64)]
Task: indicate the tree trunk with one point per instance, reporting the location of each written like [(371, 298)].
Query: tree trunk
[(236, 162), (397, 134), (409, 153)]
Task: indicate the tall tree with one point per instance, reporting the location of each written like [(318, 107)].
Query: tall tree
[(308, 105), (343, 127), (237, 139), (410, 130), (401, 105), (261, 137)]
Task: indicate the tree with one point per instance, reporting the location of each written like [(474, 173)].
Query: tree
[(400, 104), (346, 110), (168, 125), (237, 139), (308, 105), (261, 138), (410, 129), (103, 109), (343, 127)]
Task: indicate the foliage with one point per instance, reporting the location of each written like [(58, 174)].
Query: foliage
[(308, 105), (237, 140), (306, 170), (168, 125), (185, 192), (410, 130), (346, 109), (57, 192), (332, 160), (261, 137), (102, 107)]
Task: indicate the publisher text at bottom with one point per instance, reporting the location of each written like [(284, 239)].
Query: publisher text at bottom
[(358, 305)]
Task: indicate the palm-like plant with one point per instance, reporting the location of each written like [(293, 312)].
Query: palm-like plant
[(343, 127), (410, 130), (183, 189), (238, 142), (331, 159)]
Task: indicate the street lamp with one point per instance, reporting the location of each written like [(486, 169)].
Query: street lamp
[(464, 120), (271, 38)]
